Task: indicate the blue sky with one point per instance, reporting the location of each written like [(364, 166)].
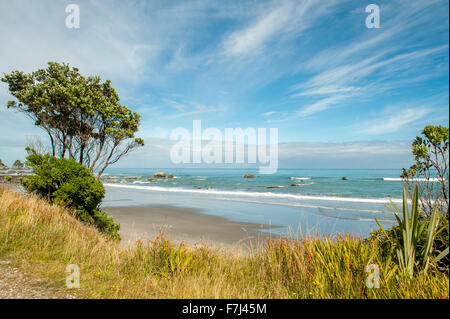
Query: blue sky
[(340, 94)]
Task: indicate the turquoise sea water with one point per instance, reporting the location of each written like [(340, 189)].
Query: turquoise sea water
[(302, 201)]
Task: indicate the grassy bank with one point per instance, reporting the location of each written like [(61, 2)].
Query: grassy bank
[(43, 239)]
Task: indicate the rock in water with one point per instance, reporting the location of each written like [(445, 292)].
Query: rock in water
[(249, 176), (344, 178), (160, 175), (3, 166), (19, 165), (170, 175)]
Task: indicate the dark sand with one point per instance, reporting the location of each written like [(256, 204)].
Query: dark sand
[(185, 225)]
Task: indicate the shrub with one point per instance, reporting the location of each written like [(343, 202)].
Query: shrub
[(8, 178), (66, 182)]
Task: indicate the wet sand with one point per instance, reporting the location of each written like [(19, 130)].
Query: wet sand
[(185, 225)]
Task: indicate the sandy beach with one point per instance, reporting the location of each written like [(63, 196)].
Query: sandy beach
[(185, 225)]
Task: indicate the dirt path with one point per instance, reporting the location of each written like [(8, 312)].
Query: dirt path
[(14, 284)]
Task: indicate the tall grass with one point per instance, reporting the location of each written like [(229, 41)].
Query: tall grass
[(43, 239)]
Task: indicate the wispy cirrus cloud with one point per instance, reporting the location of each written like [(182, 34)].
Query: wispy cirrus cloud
[(393, 120), (288, 19), (253, 38), (321, 105), (373, 63), (352, 80), (188, 109)]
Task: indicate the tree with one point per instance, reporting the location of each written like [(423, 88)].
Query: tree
[(430, 172), (82, 116)]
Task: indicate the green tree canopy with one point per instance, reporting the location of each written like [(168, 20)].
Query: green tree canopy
[(430, 170), (82, 116)]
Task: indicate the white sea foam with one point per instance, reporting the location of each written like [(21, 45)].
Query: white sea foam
[(305, 184), (258, 194), (398, 179), (300, 178), (255, 201)]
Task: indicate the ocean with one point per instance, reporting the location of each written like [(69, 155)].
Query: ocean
[(312, 202)]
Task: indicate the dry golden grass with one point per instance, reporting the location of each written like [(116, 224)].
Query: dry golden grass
[(43, 239)]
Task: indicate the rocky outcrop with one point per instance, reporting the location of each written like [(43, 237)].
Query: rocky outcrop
[(19, 165), (249, 176), (170, 175), (344, 178), (3, 166), (160, 175)]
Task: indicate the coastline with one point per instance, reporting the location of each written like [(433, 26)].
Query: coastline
[(303, 217), (186, 225)]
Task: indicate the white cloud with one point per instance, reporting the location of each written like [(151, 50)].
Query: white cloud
[(190, 109), (103, 45), (320, 105), (352, 80), (343, 150), (398, 18), (369, 154), (394, 121), (375, 62), (324, 90), (289, 19), (255, 37)]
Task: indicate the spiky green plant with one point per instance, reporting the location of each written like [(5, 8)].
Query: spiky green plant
[(412, 230)]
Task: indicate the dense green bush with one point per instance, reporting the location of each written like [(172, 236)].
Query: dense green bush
[(66, 182)]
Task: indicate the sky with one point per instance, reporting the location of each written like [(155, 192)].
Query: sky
[(341, 95)]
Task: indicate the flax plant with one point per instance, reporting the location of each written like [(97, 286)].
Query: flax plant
[(413, 229)]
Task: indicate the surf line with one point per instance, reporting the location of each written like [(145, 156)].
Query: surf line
[(261, 194)]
